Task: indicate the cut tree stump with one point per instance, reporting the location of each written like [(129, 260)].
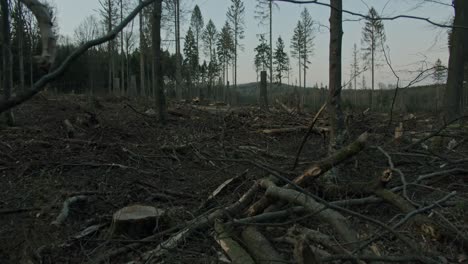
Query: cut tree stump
[(136, 221)]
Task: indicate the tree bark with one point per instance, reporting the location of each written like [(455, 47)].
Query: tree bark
[(158, 78), (20, 33), (178, 55), (334, 98), (458, 49), (142, 57), (7, 57)]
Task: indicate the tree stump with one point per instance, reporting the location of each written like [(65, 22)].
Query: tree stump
[(136, 221)]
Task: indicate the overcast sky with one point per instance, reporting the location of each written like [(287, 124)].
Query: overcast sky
[(411, 42)]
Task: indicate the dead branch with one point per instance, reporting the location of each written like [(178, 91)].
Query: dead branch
[(406, 259), (337, 220), (304, 140), (277, 131), (316, 170), (199, 223)]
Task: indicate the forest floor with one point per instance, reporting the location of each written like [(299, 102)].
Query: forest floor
[(118, 155)]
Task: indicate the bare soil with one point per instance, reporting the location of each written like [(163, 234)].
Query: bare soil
[(120, 156)]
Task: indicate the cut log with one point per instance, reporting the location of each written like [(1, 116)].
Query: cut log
[(260, 248), (136, 221), (236, 253)]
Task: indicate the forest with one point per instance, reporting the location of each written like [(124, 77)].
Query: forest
[(154, 133)]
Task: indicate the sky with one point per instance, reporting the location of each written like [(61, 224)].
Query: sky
[(412, 44)]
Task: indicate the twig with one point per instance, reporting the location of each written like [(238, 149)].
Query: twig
[(309, 131)]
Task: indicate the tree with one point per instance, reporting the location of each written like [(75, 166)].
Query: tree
[(108, 12), (458, 53), (209, 38), (142, 53), (262, 55), (334, 96), (235, 16), (7, 65), (281, 60), (157, 60), (264, 12), (20, 36), (373, 38), (355, 70), (440, 72), (197, 24), (296, 46), (191, 59), (225, 47), (307, 41)]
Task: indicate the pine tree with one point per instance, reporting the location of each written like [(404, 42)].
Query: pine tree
[(209, 38), (373, 38), (355, 70), (262, 55), (307, 41), (439, 75), (235, 16), (197, 24), (191, 59), (225, 47), (296, 46), (281, 60)]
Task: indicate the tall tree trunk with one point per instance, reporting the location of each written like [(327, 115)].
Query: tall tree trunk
[(158, 77), (371, 97), (270, 6), (178, 55), (456, 67), (142, 57), (122, 54), (334, 97), (110, 47), (7, 58), (20, 33)]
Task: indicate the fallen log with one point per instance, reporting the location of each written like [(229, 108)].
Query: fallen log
[(259, 246), (321, 212), (235, 252), (315, 171)]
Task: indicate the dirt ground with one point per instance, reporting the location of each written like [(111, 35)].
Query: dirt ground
[(118, 155)]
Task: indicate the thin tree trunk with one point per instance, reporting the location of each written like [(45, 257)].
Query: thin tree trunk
[(271, 54), (122, 56), (158, 78), (178, 55), (371, 97), (334, 97), (454, 90), (7, 58), (21, 46), (142, 57)]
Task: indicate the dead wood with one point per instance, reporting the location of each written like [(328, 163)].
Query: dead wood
[(199, 223), (277, 131), (334, 218), (259, 246), (316, 170), (306, 136), (236, 252), (284, 107)]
